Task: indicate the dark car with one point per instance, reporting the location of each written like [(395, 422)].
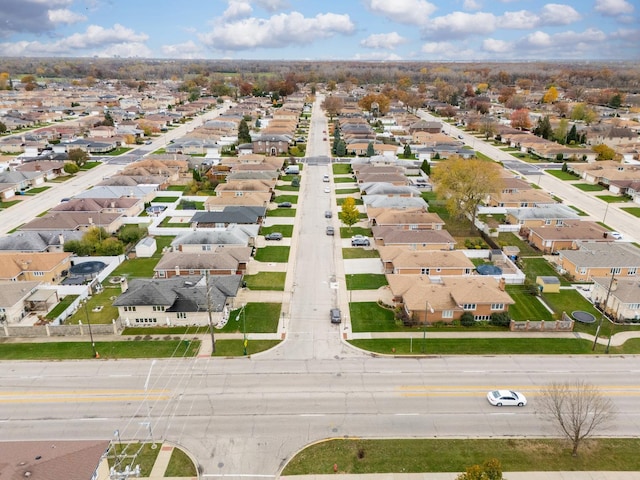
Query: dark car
[(284, 205), (327, 214), (273, 236), (330, 230), (335, 315)]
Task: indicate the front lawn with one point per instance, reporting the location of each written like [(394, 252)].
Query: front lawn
[(589, 187), (355, 252), (285, 230), (36, 190), (635, 211), (365, 281), (257, 317), (266, 281), (344, 180), (559, 174), (613, 198), (273, 254), (341, 168), (286, 198), (348, 232), (282, 212), (370, 317)]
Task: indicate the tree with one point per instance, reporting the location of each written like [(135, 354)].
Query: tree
[(3, 127), (561, 133), (550, 95), (489, 470), (464, 184), (572, 136), (341, 148), (350, 214), (581, 112), (243, 132), (383, 103), (370, 150), (71, 168), (426, 167), (604, 152), (78, 156), (406, 153), (333, 105), (520, 119), (543, 129), (577, 409)]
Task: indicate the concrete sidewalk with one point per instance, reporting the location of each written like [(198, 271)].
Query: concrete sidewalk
[(608, 475)]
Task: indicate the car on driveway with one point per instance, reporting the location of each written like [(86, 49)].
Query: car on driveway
[(501, 398), (273, 236), (284, 205), (335, 315), (359, 241)]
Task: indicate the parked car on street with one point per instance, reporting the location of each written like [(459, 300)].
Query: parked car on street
[(335, 315), (330, 230), (328, 214)]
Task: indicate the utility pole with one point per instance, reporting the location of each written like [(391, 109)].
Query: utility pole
[(604, 308), (213, 340)]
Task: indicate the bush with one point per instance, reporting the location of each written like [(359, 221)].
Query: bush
[(467, 320), (501, 319)]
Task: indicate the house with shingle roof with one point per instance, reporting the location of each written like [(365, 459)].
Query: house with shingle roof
[(219, 261), (13, 299), (385, 201), (521, 198), (241, 215), (570, 236), (622, 296), (38, 241), (555, 214), (406, 219), (413, 239), (599, 260), (426, 301), (180, 300), (82, 221), (403, 261), (206, 241), (34, 266)]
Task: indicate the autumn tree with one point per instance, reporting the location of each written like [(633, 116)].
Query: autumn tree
[(383, 102), (581, 111), (349, 214), (78, 156), (561, 133), (520, 119), (489, 470), (604, 152), (5, 81), (551, 95), (465, 184), (577, 409), (333, 106)]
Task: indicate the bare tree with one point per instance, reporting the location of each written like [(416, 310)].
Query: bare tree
[(577, 409)]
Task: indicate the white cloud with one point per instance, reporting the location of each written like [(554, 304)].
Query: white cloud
[(272, 5), (411, 12), (182, 50), (62, 15), (460, 25), (556, 14), (471, 5), (237, 9), (378, 56), (612, 8), (281, 30), (496, 46), (383, 41), (563, 43), (96, 40), (436, 47), (520, 20)]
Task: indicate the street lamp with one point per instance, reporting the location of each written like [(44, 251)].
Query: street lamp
[(427, 309), (93, 344)]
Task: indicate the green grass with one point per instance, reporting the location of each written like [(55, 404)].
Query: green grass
[(579, 212), (345, 191), (61, 306), (117, 151), (257, 317), (362, 456), (559, 174), (106, 350), (165, 199), (144, 331), (341, 168), (90, 165), (288, 188), (589, 187), (266, 281), (613, 198), (177, 188), (36, 190), (355, 252), (285, 230), (357, 201), (282, 212), (167, 223), (180, 465), (478, 346), (370, 317), (365, 281), (569, 301), (511, 239), (235, 348), (535, 267), (137, 267), (527, 306), (286, 198), (102, 299), (348, 232), (273, 254), (133, 454), (635, 211), (8, 204), (343, 180)]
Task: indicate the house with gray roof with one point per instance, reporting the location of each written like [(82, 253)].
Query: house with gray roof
[(385, 201), (241, 215), (219, 261), (183, 300), (550, 214), (389, 189), (598, 259), (38, 241), (208, 240), (622, 296), (144, 192)]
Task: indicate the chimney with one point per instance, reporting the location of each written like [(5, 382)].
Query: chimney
[(178, 270), (61, 239), (124, 285), (90, 220), (614, 285), (501, 284)]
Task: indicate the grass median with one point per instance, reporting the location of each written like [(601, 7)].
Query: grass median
[(358, 456)]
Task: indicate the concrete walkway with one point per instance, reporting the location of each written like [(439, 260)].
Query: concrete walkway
[(608, 475)]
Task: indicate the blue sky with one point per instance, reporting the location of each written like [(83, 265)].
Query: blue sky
[(412, 30)]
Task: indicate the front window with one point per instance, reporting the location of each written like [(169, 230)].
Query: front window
[(469, 306), (497, 306), (158, 308), (447, 314), (615, 270)]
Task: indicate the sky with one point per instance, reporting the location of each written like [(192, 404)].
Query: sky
[(320, 30)]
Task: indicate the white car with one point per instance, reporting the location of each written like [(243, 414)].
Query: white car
[(616, 235), (501, 398), (327, 190)]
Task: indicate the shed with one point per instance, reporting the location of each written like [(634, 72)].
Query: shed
[(548, 284), (146, 247)]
